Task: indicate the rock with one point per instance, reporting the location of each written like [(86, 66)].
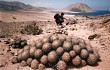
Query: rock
[(92, 36), (1, 21), (106, 20), (2, 36), (7, 49), (14, 60), (7, 41), (14, 17)]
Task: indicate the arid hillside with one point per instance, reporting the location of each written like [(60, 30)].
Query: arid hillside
[(79, 7)]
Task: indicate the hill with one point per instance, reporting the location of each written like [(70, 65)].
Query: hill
[(78, 7), (15, 6)]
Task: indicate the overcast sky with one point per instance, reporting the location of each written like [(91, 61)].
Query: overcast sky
[(58, 4)]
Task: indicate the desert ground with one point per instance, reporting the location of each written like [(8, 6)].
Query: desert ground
[(11, 24)]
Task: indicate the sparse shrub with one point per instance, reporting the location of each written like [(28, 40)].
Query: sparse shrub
[(31, 29), (71, 21)]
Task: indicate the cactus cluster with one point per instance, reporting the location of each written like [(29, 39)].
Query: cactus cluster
[(57, 51), (18, 43)]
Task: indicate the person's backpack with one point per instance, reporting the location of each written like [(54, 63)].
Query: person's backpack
[(56, 16)]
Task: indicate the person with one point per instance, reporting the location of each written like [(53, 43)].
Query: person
[(59, 18), (62, 18)]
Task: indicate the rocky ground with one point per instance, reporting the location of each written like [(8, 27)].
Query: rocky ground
[(96, 30)]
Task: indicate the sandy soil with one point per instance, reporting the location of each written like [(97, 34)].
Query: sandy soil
[(24, 16), (85, 27)]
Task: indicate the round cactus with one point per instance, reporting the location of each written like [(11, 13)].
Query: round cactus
[(44, 59), (13, 46), (41, 67), (29, 60), (17, 46), (61, 65), (83, 63), (72, 53), (18, 42), (46, 40), (96, 53), (47, 47), (82, 45), (23, 43), (23, 63), (69, 39), (66, 57), (32, 50), (81, 40), (20, 51), (12, 43), (75, 41), (19, 57), (53, 37), (39, 45), (52, 57), (62, 38), (38, 53), (56, 44), (26, 47), (34, 64), (77, 49), (76, 61), (92, 59), (67, 46), (25, 55), (60, 51), (84, 54)]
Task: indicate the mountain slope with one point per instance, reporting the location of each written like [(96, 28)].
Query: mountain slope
[(4, 5), (78, 7), (15, 5)]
